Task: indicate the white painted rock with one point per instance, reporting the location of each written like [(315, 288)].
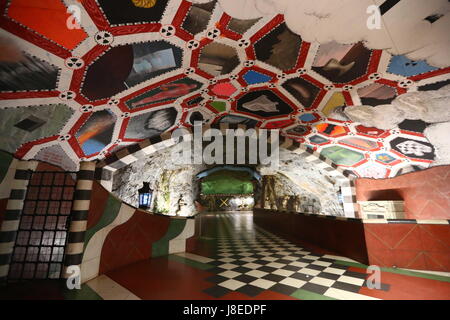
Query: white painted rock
[(438, 135)]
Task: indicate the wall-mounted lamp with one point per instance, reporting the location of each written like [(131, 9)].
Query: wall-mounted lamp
[(145, 196)]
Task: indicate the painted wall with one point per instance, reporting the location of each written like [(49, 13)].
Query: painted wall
[(410, 246), (174, 185), (338, 236), (7, 169), (420, 246), (3, 203), (426, 193), (118, 234)]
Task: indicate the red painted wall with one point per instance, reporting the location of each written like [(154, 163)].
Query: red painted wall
[(426, 193), (410, 246), (404, 245), (344, 238), (44, 166), (99, 198)]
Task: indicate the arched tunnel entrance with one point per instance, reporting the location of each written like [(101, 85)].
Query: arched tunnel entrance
[(226, 199), (228, 188), (303, 180)]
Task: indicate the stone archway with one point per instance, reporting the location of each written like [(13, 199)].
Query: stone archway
[(228, 188), (105, 168)]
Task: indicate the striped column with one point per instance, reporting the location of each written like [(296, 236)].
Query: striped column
[(10, 225), (79, 216)]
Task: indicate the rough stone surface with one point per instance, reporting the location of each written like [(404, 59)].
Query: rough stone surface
[(282, 191), (350, 21), (429, 106), (313, 181), (383, 116), (438, 135), (175, 187)]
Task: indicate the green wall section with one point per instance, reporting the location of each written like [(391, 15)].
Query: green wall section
[(54, 117), (161, 247), (227, 182), (5, 162), (189, 262), (109, 214)]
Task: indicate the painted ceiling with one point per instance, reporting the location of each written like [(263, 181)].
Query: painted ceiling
[(81, 85)]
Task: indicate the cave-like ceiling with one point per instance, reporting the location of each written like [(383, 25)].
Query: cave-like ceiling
[(133, 69)]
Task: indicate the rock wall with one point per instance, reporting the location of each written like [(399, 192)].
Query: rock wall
[(174, 185), (295, 176), (429, 106), (282, 194)]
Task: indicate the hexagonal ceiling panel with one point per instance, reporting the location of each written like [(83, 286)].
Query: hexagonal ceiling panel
[(132, 69)]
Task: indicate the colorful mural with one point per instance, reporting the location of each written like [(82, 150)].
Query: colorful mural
[(263, 103), (413, 148), (279, 48), (331, 129), (20, 72), (241, 26), (123, 12), (403, 66), (335, 106), (151, 59), (342, 156), (139, 68), (97, 132), (233, 119), (27, 124), (164, 93), (218, 58), (376, 94), (150, 124), (139, 62), (342, 63), (198, 17), (253, 77), (302, 90)]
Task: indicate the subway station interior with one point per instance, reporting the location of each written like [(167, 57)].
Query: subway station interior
[(224, 150)]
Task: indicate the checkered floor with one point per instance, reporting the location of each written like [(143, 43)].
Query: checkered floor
[(250, 260)]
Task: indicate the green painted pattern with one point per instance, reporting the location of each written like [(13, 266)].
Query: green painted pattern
[(109, 215), (161, 247), (342, 156), (189, 262), (5, 162), (85, 293), (417, 274), (308, 295), (351, 264), (219, 105), (398, 271), (228, 227)]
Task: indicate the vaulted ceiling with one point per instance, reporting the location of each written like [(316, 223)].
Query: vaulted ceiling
[(81, 85)]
